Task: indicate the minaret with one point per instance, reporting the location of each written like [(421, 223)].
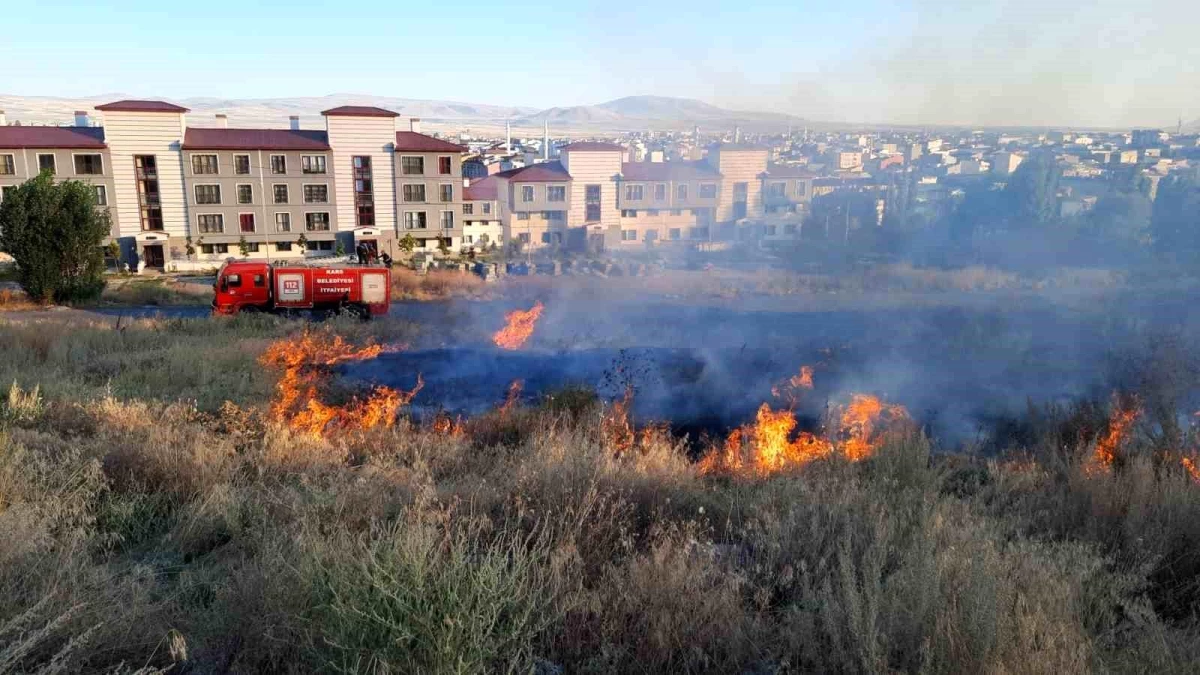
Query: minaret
[(546, 140), (508, 136)]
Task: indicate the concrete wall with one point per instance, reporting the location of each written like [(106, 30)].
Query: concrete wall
[(739, 166), (593, 167), (433, 204), (25, 166), (141, 133), (370, 136)]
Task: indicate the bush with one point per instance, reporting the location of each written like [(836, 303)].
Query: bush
[(54, 233)]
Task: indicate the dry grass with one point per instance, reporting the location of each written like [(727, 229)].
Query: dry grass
[(438, 285), (15, 301), (146, 524)]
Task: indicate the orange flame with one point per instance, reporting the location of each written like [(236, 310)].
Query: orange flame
[(1120, 421), (615, 426), (513, 396), (305, 361), (766, 447), (519, 327), (1190, 467), (446, 426), (794, 387)]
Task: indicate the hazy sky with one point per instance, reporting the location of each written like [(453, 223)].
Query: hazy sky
[(913, 61)]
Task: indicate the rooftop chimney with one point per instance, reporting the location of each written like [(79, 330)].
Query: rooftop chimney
[(3, 119), (81, 119), (222, 121), (414, 125), (294, 122)]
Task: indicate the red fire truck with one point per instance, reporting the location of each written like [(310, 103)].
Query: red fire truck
[(248, 286)]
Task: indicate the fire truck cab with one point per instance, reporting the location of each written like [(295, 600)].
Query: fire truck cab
[(249, 286)]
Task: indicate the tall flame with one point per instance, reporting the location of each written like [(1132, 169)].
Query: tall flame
[(792, 389), (519, 327), (513, 397), (1120, 421), (615, 427), (305, 361)]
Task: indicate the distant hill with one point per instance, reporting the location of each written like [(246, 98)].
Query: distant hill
[(628, 113), (633, 112)]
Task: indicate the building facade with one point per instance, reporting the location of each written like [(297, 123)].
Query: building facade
[(181, 196)]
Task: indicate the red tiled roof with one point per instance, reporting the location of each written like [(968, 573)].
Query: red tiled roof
[(411, 141), (52, 137), (481, 190), (359, 111), (788, 171), (546, 172), (142, 106), (677, 170), (593, 146), (254, 139)]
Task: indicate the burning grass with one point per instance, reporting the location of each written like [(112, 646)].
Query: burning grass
[(145, 525), (518, 327)]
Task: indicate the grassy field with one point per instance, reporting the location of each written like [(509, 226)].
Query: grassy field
[(156, 515)]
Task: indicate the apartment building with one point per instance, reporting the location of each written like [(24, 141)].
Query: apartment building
[(429, 188), (482, 227), (185, 196), (76, 153)]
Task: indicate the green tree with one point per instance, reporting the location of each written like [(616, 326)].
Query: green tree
[(302, 242), (339, 249), (189, 248), (408, 243), (54, 232), (244, 246), (1032, 192)]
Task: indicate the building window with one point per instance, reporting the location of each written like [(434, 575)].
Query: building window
[(312, 164), (447, 192), (698, 233), (208, 194), (522, 215), (801, 188), (660, 192), (364, 191), (209, 249), (8, 165), (591, 202), (241, 165), (145, 171), (468, 209), (681, 192), (89, 165), (252, 247), (414, 193), (283, 222), (46, 163), (5, 190), (556, 217), (628, 235), (790, 228), (629, 213), (487, 208), (210, 223), (775, 189), (769, 230), (447, 220), (677, 212), (414, 220), (526, 193), (523, 237), (246, 222), (708, 190), (412, 166), (245, 194), (283, 246), (316, 222), (633, 193), (316, 194), (280, 193), (650, 235), (674, 233), (652, 212), (204, 165), (101, 195), (444, 166), (320, 246), (556, 193), (468, 239), (278, 164)]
